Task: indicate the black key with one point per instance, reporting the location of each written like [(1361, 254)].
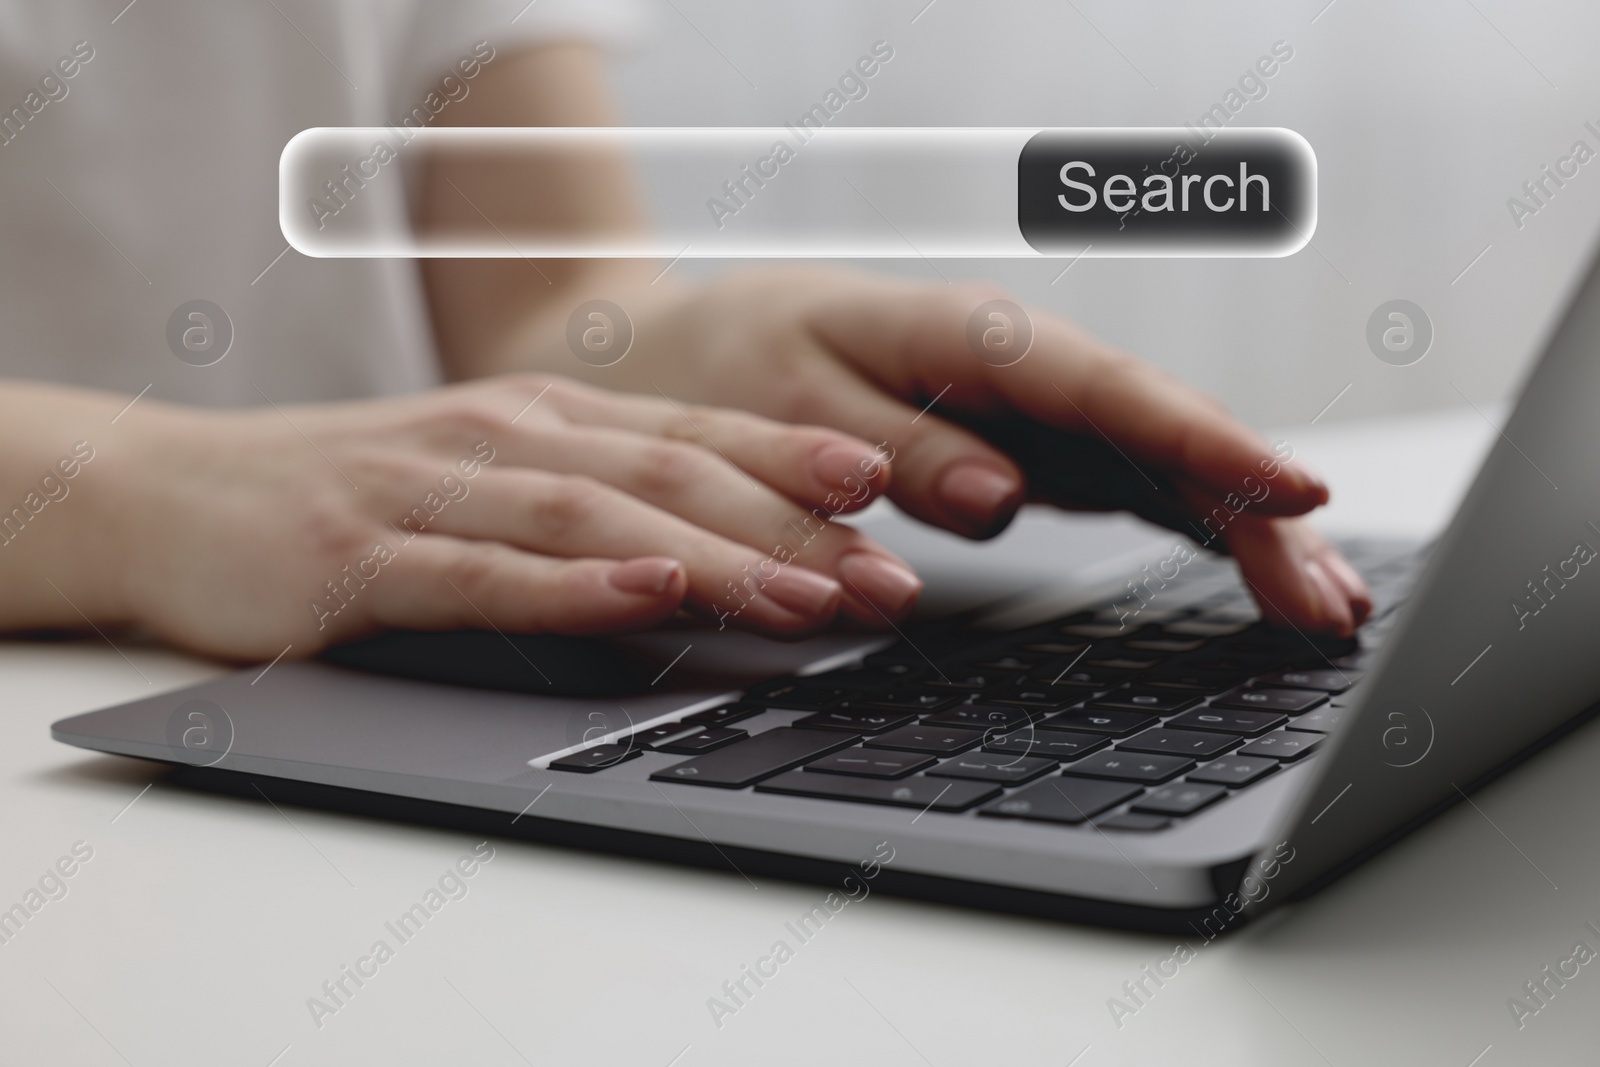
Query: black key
[(935, 740), (1260, 656), (1180, 743), (797, 693), (599, 757), (1227, 721), (1233, 770), (725, 714), (1164, 644), (1323, 720), (1286, 701), (1110, 723), (1081, 678), (1237, 665), (884, 676), (1180, 798), (1264, 640), (664, 734), (1197, 680), (1055, 648), (1048, 698), (1048, 631), (1322, 649), (1133, 820), (907, 698), (994, 767), (967, 681), (980, 717), (712, 737), (1009, 664), (867, 677), (871, 763), (930, 794), (900, 656), (1131, 767), (1125, 661), (1325, 680), (1155, 701), (1050, 744), (1067, 800), (855, 720), (1284, 745), (1287, 645), (764, 754)]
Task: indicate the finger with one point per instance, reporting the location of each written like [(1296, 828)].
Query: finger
[(575, 516), (1208, 518), (699, 486), (1348, 580), (943, 474), (1158, 420), (808, 464), (438, 582), (913, 339), (1291, 570)]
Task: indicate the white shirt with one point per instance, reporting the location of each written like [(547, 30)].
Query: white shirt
[(148, 178)]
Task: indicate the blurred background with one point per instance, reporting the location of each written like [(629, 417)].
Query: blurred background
[(1425, 116)]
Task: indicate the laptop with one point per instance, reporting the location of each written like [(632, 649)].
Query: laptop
[(1157, 758)]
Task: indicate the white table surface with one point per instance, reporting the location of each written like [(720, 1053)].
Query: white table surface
[(201, 925)]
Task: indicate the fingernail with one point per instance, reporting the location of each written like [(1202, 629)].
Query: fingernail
[(804, 592), (979, 493), (1309, 479), (889, 586), (650, 576), (843, 469), (1334, 608)]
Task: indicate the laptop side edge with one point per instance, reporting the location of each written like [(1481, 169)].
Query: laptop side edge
[(1493, 655)]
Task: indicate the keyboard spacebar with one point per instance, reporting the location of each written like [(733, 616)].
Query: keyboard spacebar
[(937, 794), (763, 755)]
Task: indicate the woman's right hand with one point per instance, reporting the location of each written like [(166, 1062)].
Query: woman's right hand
[(525, 503)]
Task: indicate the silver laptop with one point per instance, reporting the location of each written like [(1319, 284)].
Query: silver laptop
[(1159, 760)]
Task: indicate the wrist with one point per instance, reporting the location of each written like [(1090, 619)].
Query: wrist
[(60, 554), (543, 340)]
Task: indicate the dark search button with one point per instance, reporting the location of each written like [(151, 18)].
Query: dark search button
[(1167, 191)]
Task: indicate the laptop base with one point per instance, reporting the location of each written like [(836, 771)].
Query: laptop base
[(731, 859)]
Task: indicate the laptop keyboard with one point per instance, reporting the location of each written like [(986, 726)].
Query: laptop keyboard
[(1130, 721)]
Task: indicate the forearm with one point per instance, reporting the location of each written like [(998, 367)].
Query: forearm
[(60, 455), (485, 310)]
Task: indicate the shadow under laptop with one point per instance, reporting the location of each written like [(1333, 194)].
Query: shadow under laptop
[(1488, 913), (1516, 858)]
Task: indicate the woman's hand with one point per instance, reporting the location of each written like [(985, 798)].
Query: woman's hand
[(890, 361), (524, 503), (859, 352)]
